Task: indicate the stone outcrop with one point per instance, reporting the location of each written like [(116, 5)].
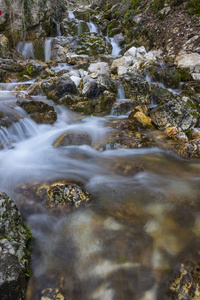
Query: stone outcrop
[(21, 20), (14, 253)]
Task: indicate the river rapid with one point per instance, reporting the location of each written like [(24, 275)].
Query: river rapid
[(137, 228)]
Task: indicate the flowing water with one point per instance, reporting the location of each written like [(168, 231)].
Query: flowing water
[(92, 27), (47, 49), (143, 218), (26, 49), (139, 224), (58, 29)]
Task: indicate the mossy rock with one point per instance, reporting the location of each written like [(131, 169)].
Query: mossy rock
[(170, 77), (136, 88), (83, 15), (39, 51), (39, 111), (93, 44)]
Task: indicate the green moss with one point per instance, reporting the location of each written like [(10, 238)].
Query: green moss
[(157, 5), (185, 75), (189, 134), (135, 4), (194, 114), (194, 7), (190, 104)]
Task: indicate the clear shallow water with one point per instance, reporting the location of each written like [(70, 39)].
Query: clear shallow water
[(124, 245)]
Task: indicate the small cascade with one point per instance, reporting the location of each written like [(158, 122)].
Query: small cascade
[(47, 49), (79, 28), (71, 15), (92, 27), (115, 47), (162, 86), (58, 29), (120, 92), (62, 67), (11, 86), (19, 131), (26, 49)]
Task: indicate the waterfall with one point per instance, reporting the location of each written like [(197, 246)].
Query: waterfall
[(115, 47), (80, 29), (92, 27), (26, 49), (58, 29), (47, 49), (120, 92), (71, 15)]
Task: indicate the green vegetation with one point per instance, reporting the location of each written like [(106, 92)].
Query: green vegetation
[(194, 7)]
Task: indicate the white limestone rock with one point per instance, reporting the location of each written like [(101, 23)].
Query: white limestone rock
[(191, 61), (99, 68)]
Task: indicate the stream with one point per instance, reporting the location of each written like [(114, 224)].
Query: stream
[(129, 238), (138, 227)]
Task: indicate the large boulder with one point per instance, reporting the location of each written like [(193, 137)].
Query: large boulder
[(71, 27), (59, 87), (61, 46), (99, 68), (93, 44), (14, 253), (39, 111), (175, 112), (35, 21), (136, 88)]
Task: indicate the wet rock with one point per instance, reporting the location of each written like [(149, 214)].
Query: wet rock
[(122, 107), (136, 88), (71, 27), (73, 138), (83, 14), (61, 46), (9, 116), (124, 125), (91, 88), (190, 149), (62, 194), (39, 111), (14, 253), (75, 59), (126, 168), (93, 44), (51, 294), (185, 284), (34, 68), (142, 120), (170, 77), (59, 87), (125, 139), (175, 112), (11, 65), (35, 89)]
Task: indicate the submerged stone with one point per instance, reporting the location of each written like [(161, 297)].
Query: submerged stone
[(59, 195), (73, 138)]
